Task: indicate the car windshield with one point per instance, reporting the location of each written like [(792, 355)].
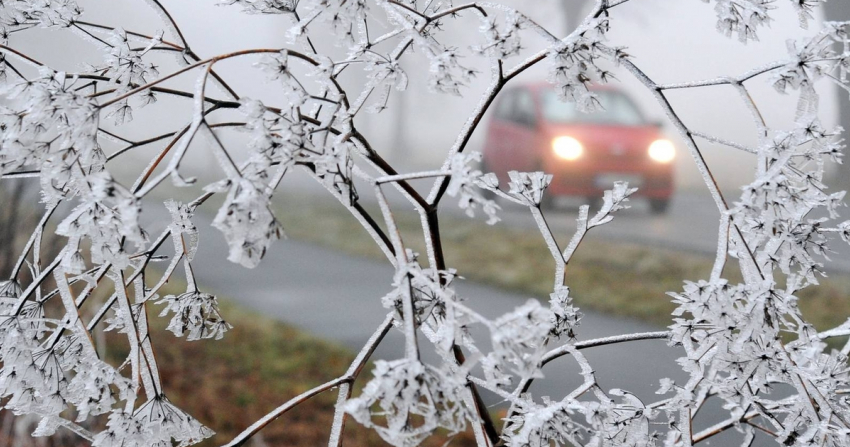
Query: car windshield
[(617, 109)]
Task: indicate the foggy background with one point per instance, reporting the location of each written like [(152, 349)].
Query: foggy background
[(672, 41)]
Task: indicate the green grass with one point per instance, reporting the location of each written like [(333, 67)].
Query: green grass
[(617, 278)]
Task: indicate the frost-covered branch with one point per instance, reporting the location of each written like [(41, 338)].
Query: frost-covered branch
[(741, 341)]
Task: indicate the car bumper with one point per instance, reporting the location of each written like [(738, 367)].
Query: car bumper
[(653, 181)]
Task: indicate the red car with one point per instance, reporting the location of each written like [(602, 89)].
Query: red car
[(533, 130)]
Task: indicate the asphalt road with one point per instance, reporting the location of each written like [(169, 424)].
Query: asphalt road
[(691, 223), (337, 297)]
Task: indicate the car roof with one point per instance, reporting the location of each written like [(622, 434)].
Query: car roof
[(544, 85)]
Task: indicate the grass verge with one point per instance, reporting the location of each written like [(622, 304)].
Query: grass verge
[(230, 383), (616, 278), (260, 364)]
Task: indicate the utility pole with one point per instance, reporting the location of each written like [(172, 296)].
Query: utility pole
[(571, 11), (398, 136), (839, 11)]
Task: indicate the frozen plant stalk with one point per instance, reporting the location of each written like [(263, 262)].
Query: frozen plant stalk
[(742, 342)]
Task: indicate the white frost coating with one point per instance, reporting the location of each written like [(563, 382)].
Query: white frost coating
[(344, 393), (166, 20), (466, 183), (113, 138), (742, 343), (722, 247), (181, 58), (466, 131), (724, 142), (196, 315), (185, 141)]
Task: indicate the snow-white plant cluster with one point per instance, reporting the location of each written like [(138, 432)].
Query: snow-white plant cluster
[(744, 345)]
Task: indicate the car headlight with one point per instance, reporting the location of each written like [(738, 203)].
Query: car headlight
[(567, 148), (662, 151)]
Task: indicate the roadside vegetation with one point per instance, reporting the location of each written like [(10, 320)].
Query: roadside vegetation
[(616, 278), (262, 363), (259, 364), (227, 384)]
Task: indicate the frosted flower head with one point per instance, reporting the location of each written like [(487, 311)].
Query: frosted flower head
[(121, 430), (196, 314), (345, 18), (96, 387), (615, 199), (432, 294), (565, 316), (448, 75), (544, 425), (406, 390), (49, 14), (501, 42), (10, 289), (335, 166), (247, 221), (742, 18), (276, 66), (519, 339), (183, 231), (573, 65), (467, 182), (125, 65), (166, 423), (529, 186), (264, 6), (74, 262)]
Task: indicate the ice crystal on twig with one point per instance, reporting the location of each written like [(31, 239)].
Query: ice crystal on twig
[(745, 344), (465, 183), (403, 390), (196, 315), (529, 187), (246, 221)]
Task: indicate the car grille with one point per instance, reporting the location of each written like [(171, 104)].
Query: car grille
[(614, 155)]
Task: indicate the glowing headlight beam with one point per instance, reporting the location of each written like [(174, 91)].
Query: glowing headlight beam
[(662, 151), (567, 148)]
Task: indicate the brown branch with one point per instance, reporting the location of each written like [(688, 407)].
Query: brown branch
[(211, 60)]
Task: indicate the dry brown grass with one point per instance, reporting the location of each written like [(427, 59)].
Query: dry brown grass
[(617, 278), (260, 364)]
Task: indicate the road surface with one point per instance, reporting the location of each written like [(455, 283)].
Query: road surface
[(337, 297), (691, 223)]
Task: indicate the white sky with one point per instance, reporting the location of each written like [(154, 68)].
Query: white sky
[(672, 40)]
